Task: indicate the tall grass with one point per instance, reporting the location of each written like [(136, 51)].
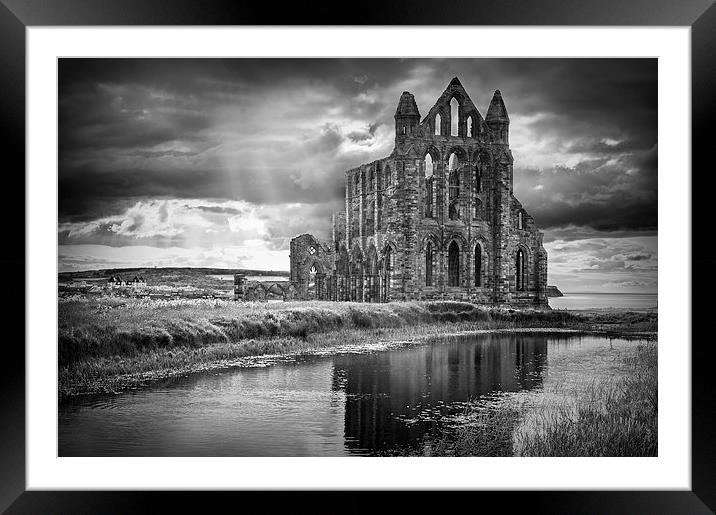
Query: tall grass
[(125, 328), (612, 417), (606, 417)]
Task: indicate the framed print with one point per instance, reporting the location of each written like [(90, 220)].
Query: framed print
[(448, 250)]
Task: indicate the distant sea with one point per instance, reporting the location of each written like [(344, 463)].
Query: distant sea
[(639, 301)]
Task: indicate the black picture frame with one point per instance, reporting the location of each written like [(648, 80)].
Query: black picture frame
[(17, 15)]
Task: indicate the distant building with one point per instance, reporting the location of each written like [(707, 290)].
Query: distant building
[(115, 281), (137, 282)]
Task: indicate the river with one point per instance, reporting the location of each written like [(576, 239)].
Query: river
[(353, 403)]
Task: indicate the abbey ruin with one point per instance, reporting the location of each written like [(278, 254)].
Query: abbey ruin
[(436, 219)]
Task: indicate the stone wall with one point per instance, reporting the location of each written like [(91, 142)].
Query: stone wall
[(311, 262)]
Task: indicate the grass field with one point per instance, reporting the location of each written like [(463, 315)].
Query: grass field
[(108, 343), (196, 277)]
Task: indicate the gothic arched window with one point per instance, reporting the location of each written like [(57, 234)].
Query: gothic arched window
[(429, 185), (312, 279), (478, 265), (428, 165), (453, 187), (478, 178), (438, 122), (429, 264), (453, 264), (388, 266), (520, 269), (454, 117)]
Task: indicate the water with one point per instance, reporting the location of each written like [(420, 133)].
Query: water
[(352, 403), (634, 301)]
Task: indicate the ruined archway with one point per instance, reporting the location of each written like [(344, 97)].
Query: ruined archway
[(388, 272), (431, 250), (478, 265), (371, 277), (313, 280), (453, 264), (356, 274)]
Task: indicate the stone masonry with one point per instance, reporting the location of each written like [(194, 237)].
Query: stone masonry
[(436, 219)]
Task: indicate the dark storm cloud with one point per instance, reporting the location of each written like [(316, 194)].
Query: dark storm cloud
[(607, 194), (212, 162), (86, 196), (283, 130)]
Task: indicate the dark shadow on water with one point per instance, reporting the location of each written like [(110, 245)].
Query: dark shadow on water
[(395, 399)]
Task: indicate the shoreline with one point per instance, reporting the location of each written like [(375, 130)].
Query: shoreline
[(122, 383), (343, 342), (112, 346)]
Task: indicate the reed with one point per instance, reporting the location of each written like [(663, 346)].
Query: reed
[(611, 417)]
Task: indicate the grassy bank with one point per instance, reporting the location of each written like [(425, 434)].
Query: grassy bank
[(607, 417), (612, 417), (109, 343)]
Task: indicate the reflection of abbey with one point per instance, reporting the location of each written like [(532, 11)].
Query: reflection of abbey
[(434, 220)]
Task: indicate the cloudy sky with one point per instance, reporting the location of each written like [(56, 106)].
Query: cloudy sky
[(219, 162)]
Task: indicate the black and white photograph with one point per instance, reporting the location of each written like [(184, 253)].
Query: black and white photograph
[(377, 257)]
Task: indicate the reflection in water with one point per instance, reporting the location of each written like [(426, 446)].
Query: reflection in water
[(394, 399), (327, 405)]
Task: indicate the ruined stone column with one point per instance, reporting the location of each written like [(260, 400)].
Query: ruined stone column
[(502, 224), (441, 275), (542, 279), (359, 288), (239, 287), (320, 286), (411, 212), (361, 202)]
